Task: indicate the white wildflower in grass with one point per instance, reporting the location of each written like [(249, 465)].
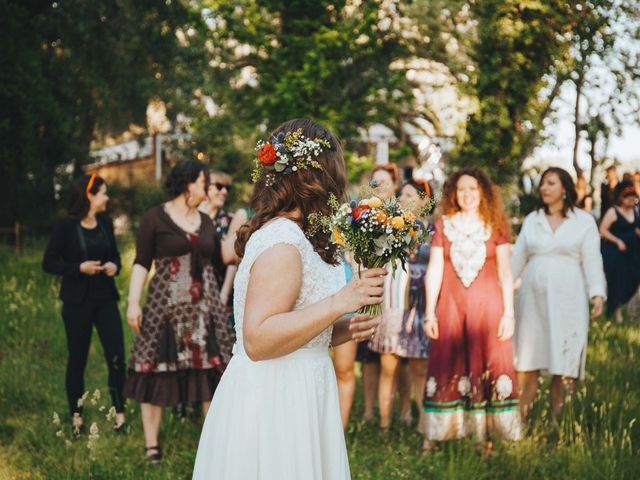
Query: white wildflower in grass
[(56, 418), (95, 397), (111, 415), (94, 435), (82, 399), (68, 442), (59, 434)]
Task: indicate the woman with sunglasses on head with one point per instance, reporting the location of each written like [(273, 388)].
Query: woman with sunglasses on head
[(620, 229), (83, 251), (213, 206), (401, 335), (385, 178)]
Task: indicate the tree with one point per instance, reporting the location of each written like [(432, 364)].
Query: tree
[(604, 69), (275, 60), (73, 71), (518, 46)]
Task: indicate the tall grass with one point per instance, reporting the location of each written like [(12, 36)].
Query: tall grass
[(597, 438)]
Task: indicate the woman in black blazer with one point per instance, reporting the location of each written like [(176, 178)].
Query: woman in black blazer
[(83, 250)]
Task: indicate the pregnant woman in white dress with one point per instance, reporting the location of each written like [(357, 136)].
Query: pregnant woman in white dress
[(558, 255), (275, 414)]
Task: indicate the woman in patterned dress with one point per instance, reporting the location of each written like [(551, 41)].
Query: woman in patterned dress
[(471, 381), (175, 358), (401, 332)]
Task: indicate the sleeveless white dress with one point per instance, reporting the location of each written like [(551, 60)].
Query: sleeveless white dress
[(277, 419)]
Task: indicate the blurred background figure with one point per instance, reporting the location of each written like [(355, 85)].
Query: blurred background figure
[(607, 195), (217, 194), (557, 254), (175, 358), (471, 381), (620, 230), (400, 334), (344, 359), (83, 251), (584, 200)]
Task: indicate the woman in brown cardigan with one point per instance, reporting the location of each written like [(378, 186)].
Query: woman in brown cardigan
[(175, 358)]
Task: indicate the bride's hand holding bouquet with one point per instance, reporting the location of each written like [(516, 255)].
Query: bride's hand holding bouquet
[(362, 291)]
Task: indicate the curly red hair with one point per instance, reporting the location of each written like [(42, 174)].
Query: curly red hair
[(491, 207)]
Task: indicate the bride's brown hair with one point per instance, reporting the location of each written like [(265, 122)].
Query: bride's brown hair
[(307, 190), (491, 208)]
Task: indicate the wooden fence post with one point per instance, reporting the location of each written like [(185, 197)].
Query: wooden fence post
[(17, 235)]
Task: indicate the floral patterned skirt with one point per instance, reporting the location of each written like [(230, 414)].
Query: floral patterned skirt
[(184, 341), (402, 334), (471, 380)]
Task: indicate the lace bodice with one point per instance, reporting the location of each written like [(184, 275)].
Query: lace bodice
[(319, 279)]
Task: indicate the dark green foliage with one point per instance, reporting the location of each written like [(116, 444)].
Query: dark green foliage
[(518, 43), (71, 71)]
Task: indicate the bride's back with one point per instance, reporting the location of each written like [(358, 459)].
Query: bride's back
[(319, 279)]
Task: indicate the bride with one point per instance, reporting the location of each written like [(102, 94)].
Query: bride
[(275, 413)]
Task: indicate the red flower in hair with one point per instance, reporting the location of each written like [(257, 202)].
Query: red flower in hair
[(267, 154)]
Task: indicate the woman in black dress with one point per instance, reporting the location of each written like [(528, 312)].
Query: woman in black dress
[(620, 229), (83, 251), (175, 358)]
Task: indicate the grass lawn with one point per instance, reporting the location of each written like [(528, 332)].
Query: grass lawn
[(598, 438)]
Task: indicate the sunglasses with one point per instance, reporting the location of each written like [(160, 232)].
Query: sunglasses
[(221, 186)]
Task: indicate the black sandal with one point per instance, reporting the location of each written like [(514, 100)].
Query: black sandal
[(121, 429), (153, 458)]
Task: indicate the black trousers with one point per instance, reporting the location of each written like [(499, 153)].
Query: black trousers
[(79, 320)]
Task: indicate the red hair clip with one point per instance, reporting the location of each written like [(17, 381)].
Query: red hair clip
[(90, 183), (425, 184)]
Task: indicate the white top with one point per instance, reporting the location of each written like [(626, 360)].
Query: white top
[(319, 279), (560, 271)]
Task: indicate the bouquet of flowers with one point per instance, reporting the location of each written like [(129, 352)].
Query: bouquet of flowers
[(376, 232)]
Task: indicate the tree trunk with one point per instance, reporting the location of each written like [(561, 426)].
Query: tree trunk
[(576, 122), (531, 140), (594, 161)]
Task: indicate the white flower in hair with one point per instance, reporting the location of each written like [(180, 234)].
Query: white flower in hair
[(287, 153)]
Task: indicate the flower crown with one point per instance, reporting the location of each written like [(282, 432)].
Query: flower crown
[(287, 153)]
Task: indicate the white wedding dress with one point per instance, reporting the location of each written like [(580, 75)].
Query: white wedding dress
[(277, 419)]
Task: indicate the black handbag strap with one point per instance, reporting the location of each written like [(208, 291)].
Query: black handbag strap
[(83, 243)]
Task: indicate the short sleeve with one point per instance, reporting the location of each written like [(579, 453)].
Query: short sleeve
[(278, 232), (501, 238), (438, 235), (145, 240)]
